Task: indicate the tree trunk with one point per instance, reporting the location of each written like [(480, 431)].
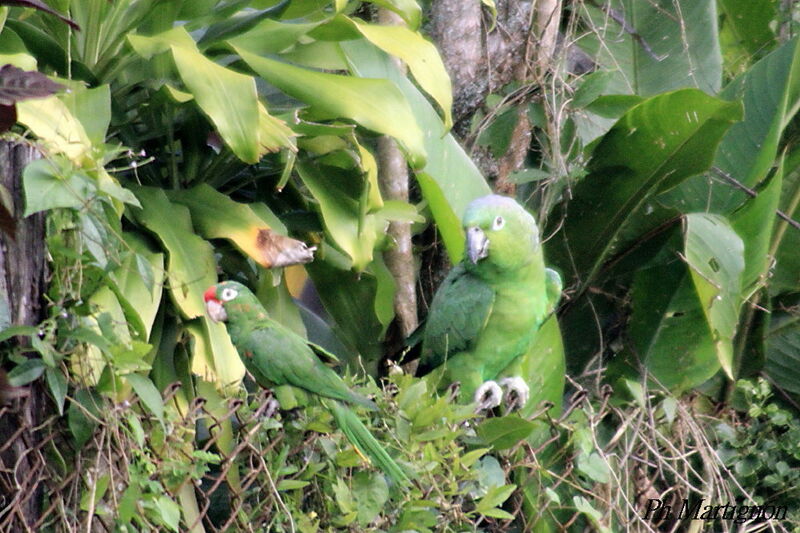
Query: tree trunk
[(22, 280)]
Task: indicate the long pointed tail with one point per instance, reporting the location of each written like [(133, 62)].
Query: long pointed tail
[(358, 434)]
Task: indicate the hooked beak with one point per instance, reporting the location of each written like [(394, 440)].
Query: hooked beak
[(214, 308), (477, 244)]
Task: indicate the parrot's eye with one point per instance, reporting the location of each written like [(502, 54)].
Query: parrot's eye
[(228, 294), (498, 223)]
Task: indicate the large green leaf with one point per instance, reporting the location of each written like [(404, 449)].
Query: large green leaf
[(449, 180), (770, 92), (214, 358), (684, 314), (351, 300), (783, 350), (216, 216), (654, 146), (190, 268), (228, 98), (409, 10), (51, 120), (715, 255), (421, 57), (668, 328), (665, 45), (745, 31), (271, 36), (47, 186), (139, 296), (376, 104), (754, 222), (354, 232)]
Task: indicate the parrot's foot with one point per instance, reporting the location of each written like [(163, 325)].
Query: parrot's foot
[(452, 391), (517, 392), (488, 396), (272, 407)]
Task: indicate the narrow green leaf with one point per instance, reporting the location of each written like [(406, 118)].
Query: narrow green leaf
[(356, 236), (26, 372), (82, 414), (469, 458), (148, 393), (13, 331), (271, 36), (57, 383), (498, 513), (292, 484), (458, 181)]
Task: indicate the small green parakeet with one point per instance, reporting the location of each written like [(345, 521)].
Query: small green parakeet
[(486, 312), (275, 356)]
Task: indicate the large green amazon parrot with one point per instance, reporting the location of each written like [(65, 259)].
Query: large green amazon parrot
[(275, 356), (485, 315)]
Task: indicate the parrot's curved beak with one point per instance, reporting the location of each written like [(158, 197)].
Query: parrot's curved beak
[(477, 244), (214, 308)]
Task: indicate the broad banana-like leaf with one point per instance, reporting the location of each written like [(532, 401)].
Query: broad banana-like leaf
[(190, 260), (419, 54), (449, 180), (715, 255), (375, 104), (665, 45), (674, 136), (685, 314), (770, 92)]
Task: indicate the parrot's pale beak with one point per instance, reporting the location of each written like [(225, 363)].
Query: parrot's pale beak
[(477, 244), (214, 308)]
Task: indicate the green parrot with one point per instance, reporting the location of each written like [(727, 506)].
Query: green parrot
[(485, 315), (275, 356)]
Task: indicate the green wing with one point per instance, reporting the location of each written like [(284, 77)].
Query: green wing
[(457, 317), (281, 357)]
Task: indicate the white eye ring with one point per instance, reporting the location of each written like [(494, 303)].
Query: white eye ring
[(228, 294), (498, 223)]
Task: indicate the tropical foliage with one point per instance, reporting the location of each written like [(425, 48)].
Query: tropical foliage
[(194, 138)]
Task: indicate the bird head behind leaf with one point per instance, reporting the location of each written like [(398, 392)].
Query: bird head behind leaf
[(495, 227), (230, 300)]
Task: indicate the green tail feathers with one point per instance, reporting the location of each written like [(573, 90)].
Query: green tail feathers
[(358, 434)]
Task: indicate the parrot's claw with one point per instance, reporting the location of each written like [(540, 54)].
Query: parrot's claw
[(452, 390), (517, 392), (271, 408), (488, 396)]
